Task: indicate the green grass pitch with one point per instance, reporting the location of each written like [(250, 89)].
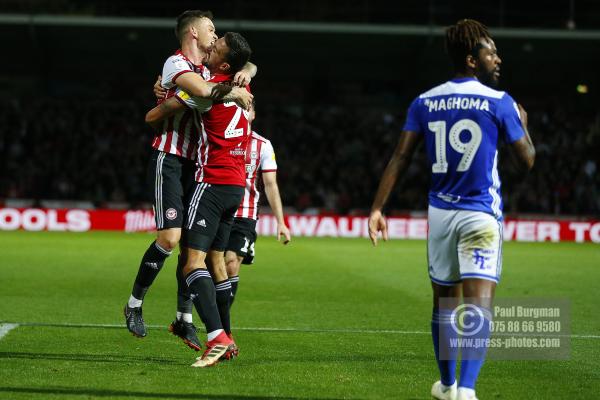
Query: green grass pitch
[(318, 319)]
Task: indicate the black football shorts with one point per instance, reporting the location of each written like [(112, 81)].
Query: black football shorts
[(242, 239), (171, 178), (210, 216)]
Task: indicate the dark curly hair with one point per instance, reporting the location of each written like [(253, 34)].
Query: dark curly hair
[(462, 39)]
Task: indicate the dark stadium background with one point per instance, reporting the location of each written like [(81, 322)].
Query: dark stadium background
[(334, 81)]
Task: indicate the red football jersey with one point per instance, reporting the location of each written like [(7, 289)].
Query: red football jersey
[(223, 140)]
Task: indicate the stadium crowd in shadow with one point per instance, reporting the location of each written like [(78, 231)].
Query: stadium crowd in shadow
[(330, 157)]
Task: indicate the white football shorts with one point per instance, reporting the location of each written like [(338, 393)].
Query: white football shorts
[(463, 244)]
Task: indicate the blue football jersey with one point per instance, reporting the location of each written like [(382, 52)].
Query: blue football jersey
[(462, 121)]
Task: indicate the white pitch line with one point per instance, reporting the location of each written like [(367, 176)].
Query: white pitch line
[(275, 329), (263, 329), (5, 328)]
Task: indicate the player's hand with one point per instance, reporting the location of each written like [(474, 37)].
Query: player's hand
[(377, 224), (159, 91), (523, 115), (243, 98), (241, 78), (283, 230)]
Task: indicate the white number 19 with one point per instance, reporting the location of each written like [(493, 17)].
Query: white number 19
[(467, 149)]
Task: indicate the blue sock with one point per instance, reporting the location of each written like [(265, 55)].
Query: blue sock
[(473, 356), (445, 353)]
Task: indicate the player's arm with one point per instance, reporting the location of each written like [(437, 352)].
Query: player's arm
[(245, 75), (523, 149), (158, 114), (178, 72), (225, 92), (159, 91), (274, 198), (395, 169), (196, 86), (177, 103)]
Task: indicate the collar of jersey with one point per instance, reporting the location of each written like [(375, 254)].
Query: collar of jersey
[(227, 77), (465, 79), (179, 52)]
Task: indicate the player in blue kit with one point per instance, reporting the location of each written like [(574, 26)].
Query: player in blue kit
[(461, 122)]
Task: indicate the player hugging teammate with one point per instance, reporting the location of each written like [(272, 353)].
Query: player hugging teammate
[(202, 99)]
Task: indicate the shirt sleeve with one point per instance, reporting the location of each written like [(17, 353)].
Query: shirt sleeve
[(267, 158), (412, 117), (510, 121), (174, 67), (199, 103)]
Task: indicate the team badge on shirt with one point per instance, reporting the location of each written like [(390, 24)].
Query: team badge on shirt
[(171, 214)]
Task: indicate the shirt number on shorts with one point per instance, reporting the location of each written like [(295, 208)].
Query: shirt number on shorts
[(231, 131), (467, 149), (248, 247), (244, 249)]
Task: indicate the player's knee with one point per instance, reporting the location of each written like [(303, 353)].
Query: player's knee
[(217, 262), (189, 268), (168, 238), (232, 265), (229, 267), (194, 259)]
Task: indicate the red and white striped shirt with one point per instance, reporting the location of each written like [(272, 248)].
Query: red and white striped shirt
[(225, 136), (180, 132), (260, 156)]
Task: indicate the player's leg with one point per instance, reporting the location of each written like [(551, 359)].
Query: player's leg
[(184, 301), (204, 215), (479, 251), (164, 171), (204, 218), (152, 262), (203, 294), (183, 326), (239, 249), (478, 293), (230, 198), (202, 291), (442, 334), (232, 264), (445, 277), (223, 294), (216, 261), (150, 265)]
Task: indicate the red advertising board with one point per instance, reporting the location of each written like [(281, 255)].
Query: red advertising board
[(76, 220)]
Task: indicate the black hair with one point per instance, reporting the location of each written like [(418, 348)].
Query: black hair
[(462, 40), (239, 51), (186, 17)]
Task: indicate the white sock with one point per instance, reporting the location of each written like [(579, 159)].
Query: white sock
[(214, 334), (133, 302), (186, 317), (467, 392)]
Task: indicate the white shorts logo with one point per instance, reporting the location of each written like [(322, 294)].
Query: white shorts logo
[(171, 214), (202, 223)]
